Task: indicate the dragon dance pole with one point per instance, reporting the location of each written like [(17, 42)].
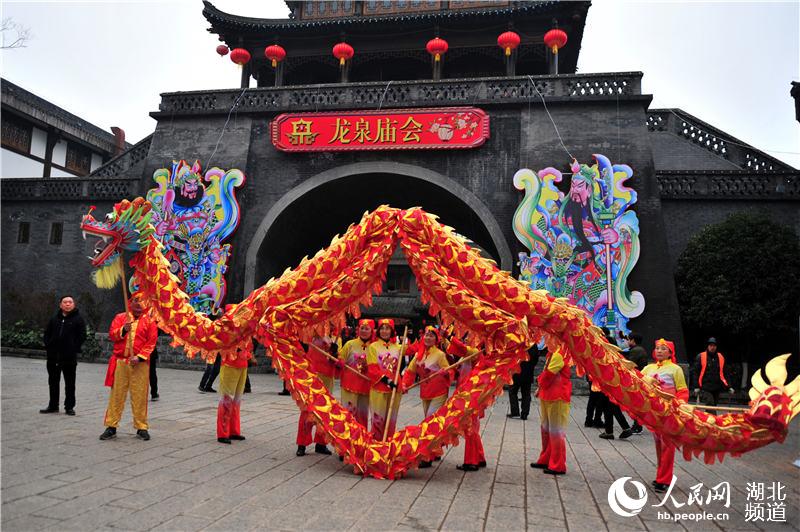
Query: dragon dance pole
[(354, 370), (124, 285), (448, 368), (394, 390)]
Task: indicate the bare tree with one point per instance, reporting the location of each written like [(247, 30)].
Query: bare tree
[(21, 34)]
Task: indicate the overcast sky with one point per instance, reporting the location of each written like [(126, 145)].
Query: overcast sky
[(728, 63)]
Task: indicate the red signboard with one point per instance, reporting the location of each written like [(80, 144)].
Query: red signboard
[(414, 129)]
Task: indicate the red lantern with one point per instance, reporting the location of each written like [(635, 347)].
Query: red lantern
[(508, 41), (437, 47), (240, 56), (343, 52), (555, 39), (222, 50), (275, 53)]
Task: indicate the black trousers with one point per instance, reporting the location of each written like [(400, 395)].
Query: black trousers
[(595, 408), (613, 411), (54, 371), (210, 374), (709, 397), (153, 375), (513, 397)]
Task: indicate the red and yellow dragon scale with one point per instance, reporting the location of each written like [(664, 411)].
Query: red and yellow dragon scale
[(461, 287)]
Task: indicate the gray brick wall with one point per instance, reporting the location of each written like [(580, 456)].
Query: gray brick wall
[(521, 136)]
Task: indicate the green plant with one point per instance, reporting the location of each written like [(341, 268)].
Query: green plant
[(21, 334), (91, 347), (737, 281)]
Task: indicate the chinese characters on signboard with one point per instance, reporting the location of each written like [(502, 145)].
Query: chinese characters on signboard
[(447, 128)]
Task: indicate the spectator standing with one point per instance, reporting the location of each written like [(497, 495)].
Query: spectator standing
[(63, 338), (153, 376), (522, 382), (708, 374), (637, 355)]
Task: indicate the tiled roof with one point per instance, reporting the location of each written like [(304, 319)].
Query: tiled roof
[(54, 111), (221, 20)]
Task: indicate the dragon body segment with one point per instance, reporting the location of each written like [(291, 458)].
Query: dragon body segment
[(467, 291)]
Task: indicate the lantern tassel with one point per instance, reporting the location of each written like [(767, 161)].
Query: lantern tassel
[(508, 50), (555, 49), (436, 58), (341, 61), (274, 63)]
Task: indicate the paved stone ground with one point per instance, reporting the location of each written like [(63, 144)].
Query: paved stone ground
[(56, 474)]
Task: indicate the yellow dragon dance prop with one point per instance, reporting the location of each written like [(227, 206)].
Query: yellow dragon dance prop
[(468, 292)]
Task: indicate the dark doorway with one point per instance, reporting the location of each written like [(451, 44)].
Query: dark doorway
[(309, 223)]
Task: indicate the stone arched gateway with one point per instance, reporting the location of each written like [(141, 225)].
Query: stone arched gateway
[(448, 187)]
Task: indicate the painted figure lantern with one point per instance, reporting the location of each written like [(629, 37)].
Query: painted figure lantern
[(192, 216), (582, 244)]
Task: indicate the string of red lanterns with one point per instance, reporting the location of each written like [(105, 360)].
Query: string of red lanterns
[(437, 47)]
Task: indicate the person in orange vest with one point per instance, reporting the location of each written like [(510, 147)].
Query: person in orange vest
[(554, 393), (668, 375), (708, 374)]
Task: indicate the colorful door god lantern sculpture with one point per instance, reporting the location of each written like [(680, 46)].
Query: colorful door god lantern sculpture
[(192, 216), (582, 245)]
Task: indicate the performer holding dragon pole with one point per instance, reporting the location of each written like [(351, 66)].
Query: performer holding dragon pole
[(134, 336), (669, 376), (555, 391), (474, 457), (232, 377), (325, 367), (383, 356), (429, 359), (355, 388)]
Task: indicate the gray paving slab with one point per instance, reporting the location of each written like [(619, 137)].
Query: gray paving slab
[(56, 474)]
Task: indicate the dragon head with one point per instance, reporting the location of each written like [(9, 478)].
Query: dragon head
[(127, 227), (774, 402)]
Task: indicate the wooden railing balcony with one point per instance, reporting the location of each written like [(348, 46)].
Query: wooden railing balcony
[(399, 94)]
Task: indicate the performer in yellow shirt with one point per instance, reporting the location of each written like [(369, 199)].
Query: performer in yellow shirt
[(555, 393), (383, 356), (355, 388), (429, 360), (669, 376)]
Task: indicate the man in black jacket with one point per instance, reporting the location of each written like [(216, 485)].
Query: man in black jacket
[(63, 338), (522, 381)]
